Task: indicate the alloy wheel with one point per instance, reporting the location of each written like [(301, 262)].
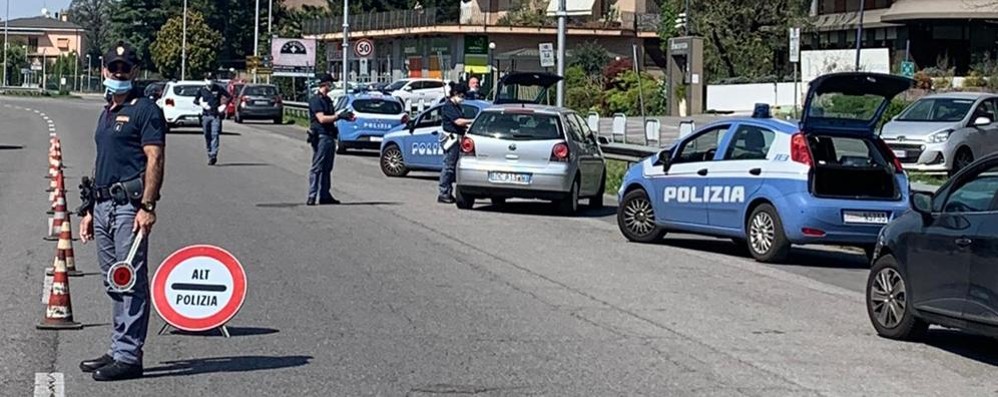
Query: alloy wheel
[(392, 161), (762, 232), (888, 298), (639, 217)]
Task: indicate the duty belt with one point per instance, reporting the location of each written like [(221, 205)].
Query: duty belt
[(103, 193)]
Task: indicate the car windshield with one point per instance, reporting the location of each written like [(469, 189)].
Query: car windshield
[(376, 106), (396, 85), (260, 91), (517, 126), (937, 109), (834, 105), (186, 90)]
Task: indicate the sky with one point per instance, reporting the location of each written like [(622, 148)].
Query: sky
[(31, 8)]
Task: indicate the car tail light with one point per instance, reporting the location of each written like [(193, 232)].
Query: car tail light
[(886, 150), (560, 152), (170, 102), (799, 151), (244, 100), (467, 146)]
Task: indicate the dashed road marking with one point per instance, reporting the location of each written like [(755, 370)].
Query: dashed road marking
[(49, 384)]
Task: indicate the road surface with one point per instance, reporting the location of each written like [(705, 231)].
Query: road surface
[(394, 294)]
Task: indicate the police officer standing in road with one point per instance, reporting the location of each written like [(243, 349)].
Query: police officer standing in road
[(128, 173), (454, 126), (322, 136), (209, 98)]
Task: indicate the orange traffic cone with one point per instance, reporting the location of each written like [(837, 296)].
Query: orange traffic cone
[(65, 247), (59, 311), (60, 216)]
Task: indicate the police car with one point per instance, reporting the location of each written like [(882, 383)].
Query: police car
[(415, 146), (374, 115), (768, 183)]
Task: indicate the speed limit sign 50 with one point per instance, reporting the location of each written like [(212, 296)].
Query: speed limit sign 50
[(363, 48)]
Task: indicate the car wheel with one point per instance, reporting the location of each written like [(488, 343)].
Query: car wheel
[(962, 159), (497, 201), (279, 120), (340, 148), (570, 204), (463, 201), (636, 218), (392, 162), (767, 242), (888, 305), (239, 119), (596, 202)]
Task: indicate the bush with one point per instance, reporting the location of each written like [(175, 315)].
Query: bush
[(583, 92), (895, 108), (590, 57), (922, 81), (614, 69), (942, 83), (624, 96), (974, 80)]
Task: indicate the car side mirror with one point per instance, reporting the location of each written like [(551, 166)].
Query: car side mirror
[(921, 202), (982, 121), (407, 88), (603, 140)]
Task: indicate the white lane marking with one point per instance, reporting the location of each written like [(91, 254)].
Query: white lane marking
[(49, 384)]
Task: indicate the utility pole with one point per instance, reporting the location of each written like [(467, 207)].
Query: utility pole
[(76, 69), (346, 45), (859, 32), (183, 48), (562, 17), (89, 68), (256, 36), (5, 25), (270, 18)]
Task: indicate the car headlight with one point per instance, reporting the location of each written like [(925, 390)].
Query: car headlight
[(940, 137)]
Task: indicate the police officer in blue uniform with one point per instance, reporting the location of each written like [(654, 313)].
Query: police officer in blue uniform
[(322, 136), (454, 126), (209, 98), (130, 140)]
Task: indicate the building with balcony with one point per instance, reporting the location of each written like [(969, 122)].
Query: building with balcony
[(46, 38), (447, 43), (960, 33)]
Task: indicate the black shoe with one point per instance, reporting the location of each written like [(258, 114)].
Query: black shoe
[(330, 200), (446, 199), (311, 201), (118, 371), (212, 161), (95, 364)]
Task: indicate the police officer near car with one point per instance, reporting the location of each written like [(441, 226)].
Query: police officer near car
[(209, 98), (322, 135), (121, 203), (454, 126)]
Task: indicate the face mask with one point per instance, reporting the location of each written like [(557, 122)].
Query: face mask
[(117, 87)]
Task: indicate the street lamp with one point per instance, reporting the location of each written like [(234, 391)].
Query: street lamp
[(183, 48), (493, 72), (859, 32), (346, 45), (562, 17), (89, 68), (5, 26)]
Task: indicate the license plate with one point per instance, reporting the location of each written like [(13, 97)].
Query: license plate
[(376, 139), (865, 217), (900, 154), (261, 103), (509, 178)]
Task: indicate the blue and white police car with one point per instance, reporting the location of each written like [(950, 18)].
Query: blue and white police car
[(374, 115), (768, 183), (415, 146)]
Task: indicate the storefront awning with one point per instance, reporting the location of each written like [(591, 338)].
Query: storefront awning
[(849, 20), (912, 10), (572, 7), (535, 53)]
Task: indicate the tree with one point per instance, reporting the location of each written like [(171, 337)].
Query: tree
[(202, 42), (591, 57), (94, 16), (137, 22), (17, 58)]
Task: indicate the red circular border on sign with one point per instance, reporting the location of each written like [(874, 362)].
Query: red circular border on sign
[(171, 316), (356, 46)]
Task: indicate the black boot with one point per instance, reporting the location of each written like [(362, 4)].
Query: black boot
[(95, 364), (118, 371)]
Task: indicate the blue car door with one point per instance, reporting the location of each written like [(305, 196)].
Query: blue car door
[(679, 194), (737, 175), (422, 148)]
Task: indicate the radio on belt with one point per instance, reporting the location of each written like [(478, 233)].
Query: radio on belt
[(199, 288)]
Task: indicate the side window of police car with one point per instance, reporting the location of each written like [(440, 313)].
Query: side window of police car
[(749, 143), (701, 148), (430, 119)]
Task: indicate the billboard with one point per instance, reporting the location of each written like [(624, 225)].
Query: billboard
[(293, 57)]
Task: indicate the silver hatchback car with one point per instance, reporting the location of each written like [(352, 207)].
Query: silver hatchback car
[(534, 152), (944, 132)]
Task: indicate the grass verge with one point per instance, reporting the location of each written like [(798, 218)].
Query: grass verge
[(615, 170), (928, 179)]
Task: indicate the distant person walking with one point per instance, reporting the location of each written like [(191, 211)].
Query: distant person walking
[(209, 98)]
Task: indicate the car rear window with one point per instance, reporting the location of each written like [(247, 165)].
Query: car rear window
[(846, 152), (517, 126), (186, 90), (260, 91), (838, 106), (376, 106)]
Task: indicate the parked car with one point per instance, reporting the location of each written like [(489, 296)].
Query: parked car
[(530, 151), (259, 102), (154, 90), (416, 145), (374, 115), (768, 184), (411, 91), (178, 105), (233, 87), (944, 132), (935, 264)]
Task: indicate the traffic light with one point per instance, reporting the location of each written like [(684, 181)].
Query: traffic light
[(680, 21)]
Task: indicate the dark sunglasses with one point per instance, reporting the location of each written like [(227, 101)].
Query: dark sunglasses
[(119, 67)]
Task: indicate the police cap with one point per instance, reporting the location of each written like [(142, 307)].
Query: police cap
[(121, 52), (324, 78)]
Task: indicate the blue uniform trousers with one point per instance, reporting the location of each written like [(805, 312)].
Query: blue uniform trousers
[(319, 179), (212, 125), (113, 235), (447, 173)]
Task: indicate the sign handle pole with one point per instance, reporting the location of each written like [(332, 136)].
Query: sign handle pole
[(161, 330)]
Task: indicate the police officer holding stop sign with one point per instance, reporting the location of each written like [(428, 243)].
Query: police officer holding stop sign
[(128, 174)]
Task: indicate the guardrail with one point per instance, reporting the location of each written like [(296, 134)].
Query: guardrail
[(629, 153)]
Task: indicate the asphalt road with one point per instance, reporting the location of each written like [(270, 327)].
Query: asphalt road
[(393, 294)]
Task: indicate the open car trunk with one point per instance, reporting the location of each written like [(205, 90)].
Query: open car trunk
[(851, 167)]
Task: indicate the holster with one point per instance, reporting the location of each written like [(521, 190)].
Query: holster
[(130, 191)]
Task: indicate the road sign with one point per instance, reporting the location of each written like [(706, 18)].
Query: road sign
[(364, 68), (363, 48), (794, 45), (198, 288), (547, 54), (36, 65), (908, 69), (252, 62)]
